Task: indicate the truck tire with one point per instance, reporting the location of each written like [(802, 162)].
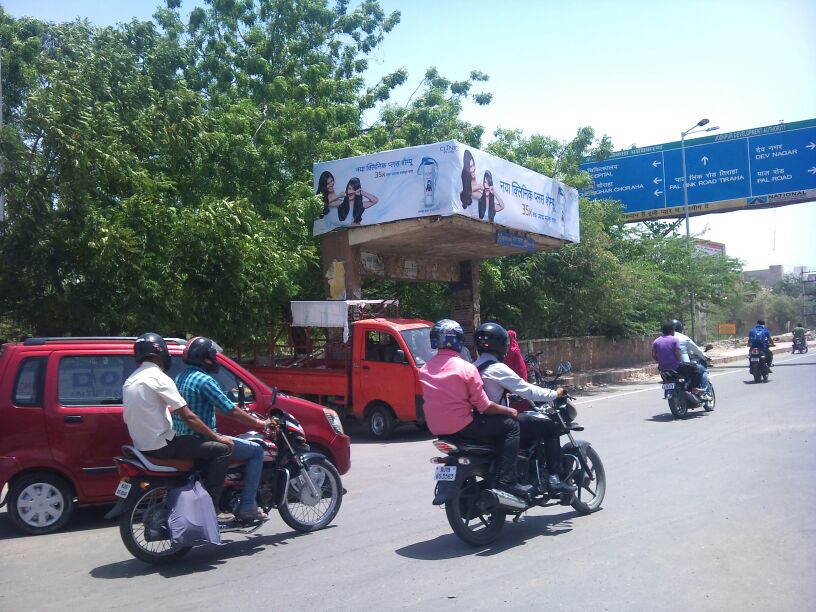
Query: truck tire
[(381, 422)]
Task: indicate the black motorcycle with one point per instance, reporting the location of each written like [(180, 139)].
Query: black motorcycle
[(758, 365), (535, 374), (677, 391), (799, 345), (303, 486), (466, 476)]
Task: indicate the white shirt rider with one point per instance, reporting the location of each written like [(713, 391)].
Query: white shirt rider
[(498, 377), (687, 345)]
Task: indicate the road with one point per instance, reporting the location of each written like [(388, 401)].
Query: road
[(714, 512)]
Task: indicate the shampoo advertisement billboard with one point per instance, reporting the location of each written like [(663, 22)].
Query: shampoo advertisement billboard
[(442, 179)]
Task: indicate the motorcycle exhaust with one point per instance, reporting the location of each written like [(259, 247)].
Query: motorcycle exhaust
[(692, 399), (505, 500)]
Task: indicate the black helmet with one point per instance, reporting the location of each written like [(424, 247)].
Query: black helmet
[(447, 333), (202, 352), (678, 325), (491, 338), (151, 345)]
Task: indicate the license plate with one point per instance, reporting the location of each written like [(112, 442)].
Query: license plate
[(668, 386), (754, 359), (445, 472), (123, 489)]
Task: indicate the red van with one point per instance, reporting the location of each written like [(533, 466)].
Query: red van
[(61, 423)]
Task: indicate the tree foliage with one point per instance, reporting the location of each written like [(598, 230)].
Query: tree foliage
[(158, 176)]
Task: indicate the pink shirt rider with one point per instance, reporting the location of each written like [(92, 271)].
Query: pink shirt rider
[(452, 388)]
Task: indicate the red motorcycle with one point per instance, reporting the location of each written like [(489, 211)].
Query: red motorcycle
[(303, 486)]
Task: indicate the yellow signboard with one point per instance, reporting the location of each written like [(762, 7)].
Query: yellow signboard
[(727, 329)]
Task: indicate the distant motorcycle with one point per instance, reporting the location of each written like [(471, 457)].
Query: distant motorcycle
[(758, 365), (466, 476), (677, 391), (304, 487), (535, 374), (800, 345)]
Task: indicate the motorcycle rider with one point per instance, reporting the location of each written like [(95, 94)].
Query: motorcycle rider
[(798, 334), (454, 402), (759, 337), (146, 396), (689, 348), (203, 394), (666, 352), (492, 341)]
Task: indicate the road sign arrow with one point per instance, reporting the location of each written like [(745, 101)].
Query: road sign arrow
[(656, 163), (812, 170), (704, 159), (657, 192), (657, 180), (811, 145)]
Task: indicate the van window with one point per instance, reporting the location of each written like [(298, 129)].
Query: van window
[(93, 380), (381, 346), (28, 388)]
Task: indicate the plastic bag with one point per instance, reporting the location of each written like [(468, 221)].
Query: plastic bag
[(192, 515)]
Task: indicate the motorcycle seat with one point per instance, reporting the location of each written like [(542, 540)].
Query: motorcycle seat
[(469, 446), (155, 464)]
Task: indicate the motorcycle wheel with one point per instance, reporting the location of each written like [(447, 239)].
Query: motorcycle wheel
[(590, 493), (757, 376), (709, 405), (304, 511), (472, 525), (677, 405), (149, 511)]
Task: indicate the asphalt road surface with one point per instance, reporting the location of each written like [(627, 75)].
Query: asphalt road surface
[(714, 512)]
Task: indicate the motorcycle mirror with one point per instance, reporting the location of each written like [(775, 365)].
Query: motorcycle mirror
[(241, 395), (274, 396)]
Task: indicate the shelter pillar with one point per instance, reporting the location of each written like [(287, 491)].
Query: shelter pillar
[(341, 265), (467, 300)]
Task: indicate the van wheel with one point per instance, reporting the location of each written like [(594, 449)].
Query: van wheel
[(40, 503), (381, 422)]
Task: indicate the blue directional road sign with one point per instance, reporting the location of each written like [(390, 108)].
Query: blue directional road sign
[(767, 166)]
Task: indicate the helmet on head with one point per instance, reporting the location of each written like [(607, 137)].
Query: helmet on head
[(447, 333), (151, 345), (678, 325), (492, 338), (202, 352)]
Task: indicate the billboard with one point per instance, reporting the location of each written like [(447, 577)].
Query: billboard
[(757, 168), (442, 179)]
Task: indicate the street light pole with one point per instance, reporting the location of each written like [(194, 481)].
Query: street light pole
[(699, 124)]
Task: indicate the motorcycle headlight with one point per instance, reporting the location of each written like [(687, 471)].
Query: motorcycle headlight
[(334, 420)]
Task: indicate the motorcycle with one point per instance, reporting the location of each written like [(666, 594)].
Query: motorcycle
[(677, 391), (304, 487), (534, 373), (758, 365), (466, 476), (800, 344)]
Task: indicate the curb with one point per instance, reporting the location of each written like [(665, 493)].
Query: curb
[(601, 377)]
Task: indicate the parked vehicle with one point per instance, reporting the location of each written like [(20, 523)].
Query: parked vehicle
[(373, 376), (758, 365), (535, 374), (304, 487), (61, 422), (799, 345), (466, 477), (677, 391)]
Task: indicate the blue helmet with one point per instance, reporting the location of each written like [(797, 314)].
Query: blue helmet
[(447, 333)]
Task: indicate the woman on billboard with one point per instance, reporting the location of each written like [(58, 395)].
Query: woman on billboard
[(490, 201), (471, 189), (325, 188), (356, 199)]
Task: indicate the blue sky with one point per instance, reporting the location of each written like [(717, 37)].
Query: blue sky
[(639, 71)]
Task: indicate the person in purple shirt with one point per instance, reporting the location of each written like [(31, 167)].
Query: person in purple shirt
[(666, 352)]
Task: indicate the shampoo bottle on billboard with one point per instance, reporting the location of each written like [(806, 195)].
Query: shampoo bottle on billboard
[(428, 169)]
